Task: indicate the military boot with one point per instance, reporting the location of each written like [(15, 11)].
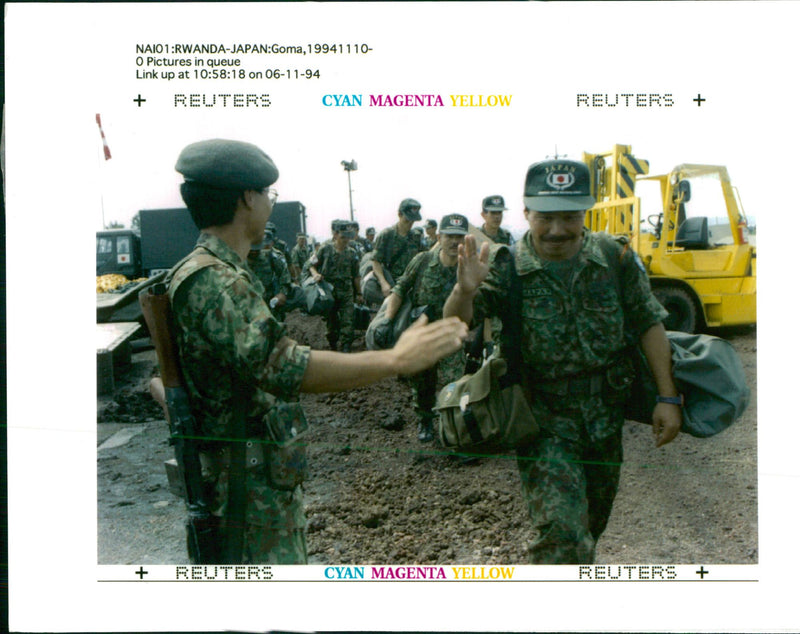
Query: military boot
[(425, 429)]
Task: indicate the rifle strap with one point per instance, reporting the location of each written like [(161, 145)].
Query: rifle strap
[(198, 259)]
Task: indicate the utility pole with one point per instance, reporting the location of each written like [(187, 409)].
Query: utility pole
[(350, 166)]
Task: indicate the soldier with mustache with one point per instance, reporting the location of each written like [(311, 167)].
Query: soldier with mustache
[(571, 301)]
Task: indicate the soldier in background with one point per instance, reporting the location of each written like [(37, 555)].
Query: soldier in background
[(280, 246), (357, 242), (336, 262), (369, 239), (235, 356), (271, 270), (298, 256), (492, 210), (396, 246), (418, 237), (428, 280), (429, 239)]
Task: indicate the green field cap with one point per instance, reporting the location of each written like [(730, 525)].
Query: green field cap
[(455, 224), (494, 203), (410, 209), (558, 185)]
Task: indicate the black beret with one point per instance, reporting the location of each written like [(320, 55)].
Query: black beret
[(227, 165)]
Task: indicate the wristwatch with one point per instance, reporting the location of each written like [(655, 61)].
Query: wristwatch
[(672, 400)]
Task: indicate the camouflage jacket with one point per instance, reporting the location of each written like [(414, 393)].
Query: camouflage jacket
[(394, 251), (335, 266), (271, 270), (300, 255), (224, 330), (282, 249), (428, 282), (502, 237), (564, 331), (366, 245)]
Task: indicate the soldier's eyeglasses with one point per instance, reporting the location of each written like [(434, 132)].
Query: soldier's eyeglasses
[(271, 194)]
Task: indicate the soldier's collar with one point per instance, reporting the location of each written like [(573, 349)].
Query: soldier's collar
[(219, 248)]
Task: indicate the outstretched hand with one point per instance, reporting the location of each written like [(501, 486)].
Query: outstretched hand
[(473, 265), (423, 344)]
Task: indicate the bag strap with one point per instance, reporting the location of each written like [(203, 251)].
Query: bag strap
[(511, 334), (609, 245)]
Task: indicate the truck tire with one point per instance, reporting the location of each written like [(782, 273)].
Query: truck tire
[(682, 311)]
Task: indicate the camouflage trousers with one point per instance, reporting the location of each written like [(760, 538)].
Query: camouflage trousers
[(341, 320), (569, 482), (426, 385), (274, 546), (274, 529)]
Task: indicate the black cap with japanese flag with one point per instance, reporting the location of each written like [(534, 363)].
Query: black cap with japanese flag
[(558, 185)]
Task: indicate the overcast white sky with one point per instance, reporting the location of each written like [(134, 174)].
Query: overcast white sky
[(67, 62), (448, 158)]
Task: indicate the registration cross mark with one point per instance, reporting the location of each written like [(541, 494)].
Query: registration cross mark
[(699, 100), (141, 572), (139, 100), (702, 572)]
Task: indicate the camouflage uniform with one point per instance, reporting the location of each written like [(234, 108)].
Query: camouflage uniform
[(358, 247), (366, 245), (282, 249), (225, 330), (429, 283), (395, 252), (339, 269), (271, 270), (569, 330), (503, 236), (299, 256)]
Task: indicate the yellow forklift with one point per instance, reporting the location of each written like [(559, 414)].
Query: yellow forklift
[(690, 231)]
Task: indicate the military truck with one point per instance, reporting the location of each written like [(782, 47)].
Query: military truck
[(164, 236), (690, 231), (119, 251), (289, 219)]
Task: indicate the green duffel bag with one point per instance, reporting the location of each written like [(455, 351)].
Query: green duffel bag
[(485, 412), (318, 296), (709, 374), (382, 333)]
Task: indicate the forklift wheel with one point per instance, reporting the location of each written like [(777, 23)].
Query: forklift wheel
[(682, 312)]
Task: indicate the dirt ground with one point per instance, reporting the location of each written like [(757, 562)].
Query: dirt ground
[(375, 495)]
